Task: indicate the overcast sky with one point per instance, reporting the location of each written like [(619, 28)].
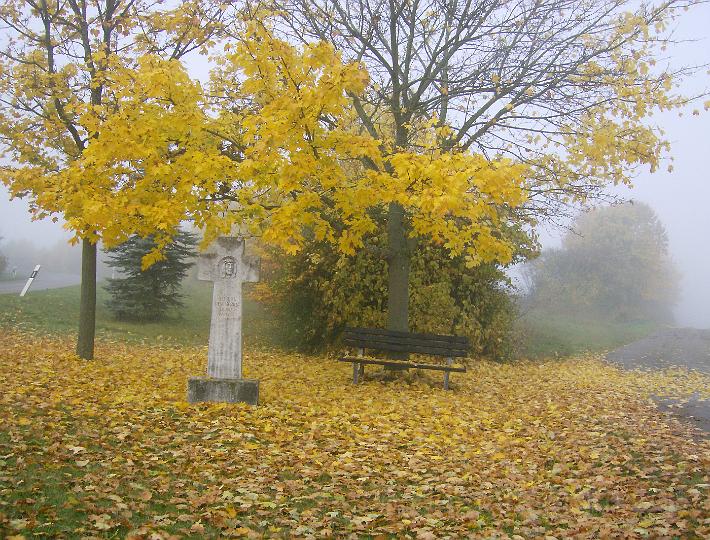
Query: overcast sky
[(681, 198)]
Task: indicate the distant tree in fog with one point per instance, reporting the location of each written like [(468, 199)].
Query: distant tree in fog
[(614, 263)]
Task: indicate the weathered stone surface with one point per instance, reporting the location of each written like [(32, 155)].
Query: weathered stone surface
[(226, 265), (223, 390)]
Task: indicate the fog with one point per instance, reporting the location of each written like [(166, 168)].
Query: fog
[(680, 198)]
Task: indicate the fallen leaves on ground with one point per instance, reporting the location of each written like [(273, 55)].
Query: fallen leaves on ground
[(557, 449)]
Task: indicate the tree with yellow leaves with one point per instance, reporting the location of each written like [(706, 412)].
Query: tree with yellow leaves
[(274, 150), (562, 88), (251, 154), (59, 64)]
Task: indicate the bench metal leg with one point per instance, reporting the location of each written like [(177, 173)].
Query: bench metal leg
[(358, 368), (449, 361)]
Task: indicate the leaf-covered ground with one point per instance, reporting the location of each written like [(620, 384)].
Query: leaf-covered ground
[(558, 449)]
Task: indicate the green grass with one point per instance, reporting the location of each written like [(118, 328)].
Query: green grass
[(47, 488), (545, 335), (43, 494), (57, 311), (539, 334)]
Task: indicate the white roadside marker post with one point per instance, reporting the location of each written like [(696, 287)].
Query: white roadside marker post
[(30, 280)]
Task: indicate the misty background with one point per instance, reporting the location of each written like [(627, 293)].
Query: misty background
[(680, 198)]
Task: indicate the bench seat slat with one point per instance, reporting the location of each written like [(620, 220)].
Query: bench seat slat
[(422, 347), (394, 334), (394, 363)]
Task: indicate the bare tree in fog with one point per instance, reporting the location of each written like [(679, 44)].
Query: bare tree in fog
[(564, 86)]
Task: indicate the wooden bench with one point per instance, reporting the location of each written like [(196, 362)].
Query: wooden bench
[(448, 347)]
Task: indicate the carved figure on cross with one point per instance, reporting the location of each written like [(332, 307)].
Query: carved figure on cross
[(225, 263)]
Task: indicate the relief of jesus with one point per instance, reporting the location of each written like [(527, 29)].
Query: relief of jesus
[(229, 267)]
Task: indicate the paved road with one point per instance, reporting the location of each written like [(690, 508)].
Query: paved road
[(43, 281), (672, 347)]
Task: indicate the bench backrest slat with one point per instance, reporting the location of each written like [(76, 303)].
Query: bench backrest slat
[(388, 340)]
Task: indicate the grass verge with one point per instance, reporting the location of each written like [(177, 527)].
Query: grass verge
[(56, 311), (545, 335)]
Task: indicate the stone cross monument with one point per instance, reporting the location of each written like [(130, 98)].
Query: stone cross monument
[(228, 267)]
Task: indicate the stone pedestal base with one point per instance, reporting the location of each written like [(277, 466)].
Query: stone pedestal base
[(223, 390)]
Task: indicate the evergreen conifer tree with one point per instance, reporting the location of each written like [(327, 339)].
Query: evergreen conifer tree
[(147, 295)]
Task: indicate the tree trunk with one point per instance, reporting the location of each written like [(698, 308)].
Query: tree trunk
[(87, 307), (398, 270)]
